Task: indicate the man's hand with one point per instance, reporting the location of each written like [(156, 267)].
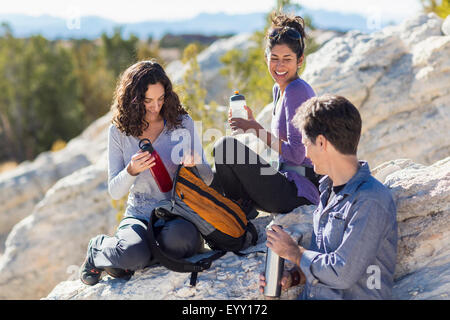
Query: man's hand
[(287, 279), (283, 245)]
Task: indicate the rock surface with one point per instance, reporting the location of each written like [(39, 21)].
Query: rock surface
[(230, 277), (446, 26), (22, 188), (399, 79), (422, 198), (422, 195), (50, 244)]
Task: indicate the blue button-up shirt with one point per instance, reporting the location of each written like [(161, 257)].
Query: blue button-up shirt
[(354, 243)]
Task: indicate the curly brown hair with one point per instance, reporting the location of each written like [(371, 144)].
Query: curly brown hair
[(128, 107), (286, 29)]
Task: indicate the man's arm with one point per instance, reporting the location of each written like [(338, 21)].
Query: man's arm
[(346, 265)]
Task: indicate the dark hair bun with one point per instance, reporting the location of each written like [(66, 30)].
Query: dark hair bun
[(281, 20), (281, 25)]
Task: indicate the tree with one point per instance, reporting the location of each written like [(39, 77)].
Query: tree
[(193, 94), (52, 90), (147, 50), (96, 81), (247, 72), (441, 8), (191, 90), (39, 102), (119, 52)]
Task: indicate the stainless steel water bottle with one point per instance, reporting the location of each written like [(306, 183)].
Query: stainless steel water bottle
[(273, 272)]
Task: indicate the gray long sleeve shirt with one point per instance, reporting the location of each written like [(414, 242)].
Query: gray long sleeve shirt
[(143, 190), (354, 244)]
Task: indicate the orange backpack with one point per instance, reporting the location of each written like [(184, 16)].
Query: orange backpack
[(220, 221)]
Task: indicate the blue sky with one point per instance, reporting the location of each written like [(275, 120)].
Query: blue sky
[(141, 10)]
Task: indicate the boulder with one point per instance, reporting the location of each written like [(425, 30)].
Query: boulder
[(50, 244), (230, 277), (431, 282), (446, 26), (22, 188), (399, 79), (422, 196)]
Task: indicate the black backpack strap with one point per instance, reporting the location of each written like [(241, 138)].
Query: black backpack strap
[(251, 228), (174, 187), (206, 262), (178, 265)]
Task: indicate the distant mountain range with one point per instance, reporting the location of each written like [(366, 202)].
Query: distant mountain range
[(91, 27)]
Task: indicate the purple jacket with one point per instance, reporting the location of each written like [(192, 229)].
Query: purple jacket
[(292, 148)]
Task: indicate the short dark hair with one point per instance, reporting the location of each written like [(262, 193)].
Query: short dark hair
[(334, 117)]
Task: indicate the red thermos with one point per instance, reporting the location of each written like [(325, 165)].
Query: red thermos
[(159, 171)]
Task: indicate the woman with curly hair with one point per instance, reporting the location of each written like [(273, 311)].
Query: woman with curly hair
[(255, 183), (145, 107)]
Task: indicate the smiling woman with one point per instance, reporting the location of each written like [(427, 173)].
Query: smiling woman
[(255, 183), (283, 65)]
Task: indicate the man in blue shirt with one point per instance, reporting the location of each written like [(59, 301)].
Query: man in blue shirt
[(354, 243)]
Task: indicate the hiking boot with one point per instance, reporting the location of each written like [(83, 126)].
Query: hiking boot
[(89, 274), (119, 273)]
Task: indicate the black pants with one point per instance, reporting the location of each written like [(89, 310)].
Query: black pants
[(242, 174), (129, 249)]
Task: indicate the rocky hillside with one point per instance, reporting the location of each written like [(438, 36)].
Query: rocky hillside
[(422, 196), (398, 78), (23, 187)]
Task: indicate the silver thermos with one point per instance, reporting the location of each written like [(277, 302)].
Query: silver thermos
[(273, 272)]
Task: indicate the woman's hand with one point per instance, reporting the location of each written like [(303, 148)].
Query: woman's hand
[(140, 161), (243, 124), (283, 245)]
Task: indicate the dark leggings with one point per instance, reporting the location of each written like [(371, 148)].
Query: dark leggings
[(242, 174), (129, 249)]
